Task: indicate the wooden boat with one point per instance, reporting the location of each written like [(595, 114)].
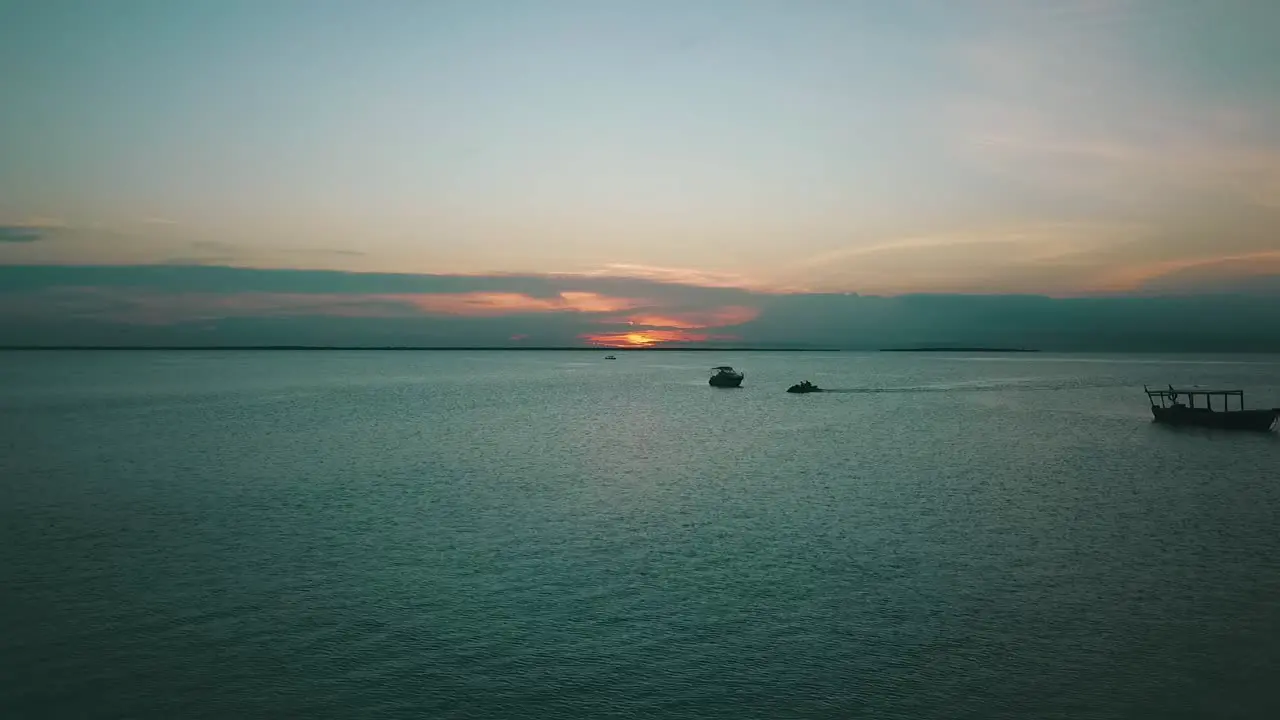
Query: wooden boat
[(1167, 408), (723, 376)]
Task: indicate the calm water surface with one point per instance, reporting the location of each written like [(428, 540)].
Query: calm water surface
[(547, 535)]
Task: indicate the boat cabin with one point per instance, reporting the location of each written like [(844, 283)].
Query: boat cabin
[(725, 376), (1167, 407), (1171, 398)]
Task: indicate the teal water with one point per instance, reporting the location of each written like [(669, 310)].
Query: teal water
[(550, 535)]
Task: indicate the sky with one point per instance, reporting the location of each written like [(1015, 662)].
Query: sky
[(718, 159)]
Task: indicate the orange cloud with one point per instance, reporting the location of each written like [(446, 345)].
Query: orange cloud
[(678, 276), (717, 317), (1131, 278), (145, 307), (488, 304), (654, 328), (649, 338)]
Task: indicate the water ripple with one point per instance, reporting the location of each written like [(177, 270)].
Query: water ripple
[(454, 536)]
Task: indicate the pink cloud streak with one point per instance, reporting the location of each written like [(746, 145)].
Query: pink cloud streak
[(147, 307)]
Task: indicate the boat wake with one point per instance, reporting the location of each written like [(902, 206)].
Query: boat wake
[(886, 391), (1006, 385), (920, 389)]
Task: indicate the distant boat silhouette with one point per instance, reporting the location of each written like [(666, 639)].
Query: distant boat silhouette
[(804, 387), (1171, 411), (610, 357), (723, 376)]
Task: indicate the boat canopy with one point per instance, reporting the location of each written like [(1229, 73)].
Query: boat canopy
[(1172, 394)]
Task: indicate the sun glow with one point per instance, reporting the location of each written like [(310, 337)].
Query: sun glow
[(656, 327), (648, 338), (714, 317)]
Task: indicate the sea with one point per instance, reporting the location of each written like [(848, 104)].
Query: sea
[(402, 534)]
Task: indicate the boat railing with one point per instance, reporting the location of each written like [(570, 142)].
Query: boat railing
[(1171, 396)]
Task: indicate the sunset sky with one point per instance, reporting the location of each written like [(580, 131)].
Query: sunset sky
[(1059, 147)]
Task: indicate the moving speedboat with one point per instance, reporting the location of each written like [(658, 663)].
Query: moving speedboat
[(610, 357), (723, 376), (804, 387)]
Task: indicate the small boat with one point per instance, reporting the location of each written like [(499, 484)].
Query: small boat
[(1167, 408), (804, 387), (610, 357), (723, 376)]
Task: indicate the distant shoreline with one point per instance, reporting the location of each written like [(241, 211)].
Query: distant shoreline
[(313, 348), (959, 349)]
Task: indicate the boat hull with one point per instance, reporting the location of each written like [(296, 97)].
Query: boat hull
[(1257, 420), (725, 381)]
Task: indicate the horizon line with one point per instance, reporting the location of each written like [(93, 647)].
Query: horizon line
[(573, 348)]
